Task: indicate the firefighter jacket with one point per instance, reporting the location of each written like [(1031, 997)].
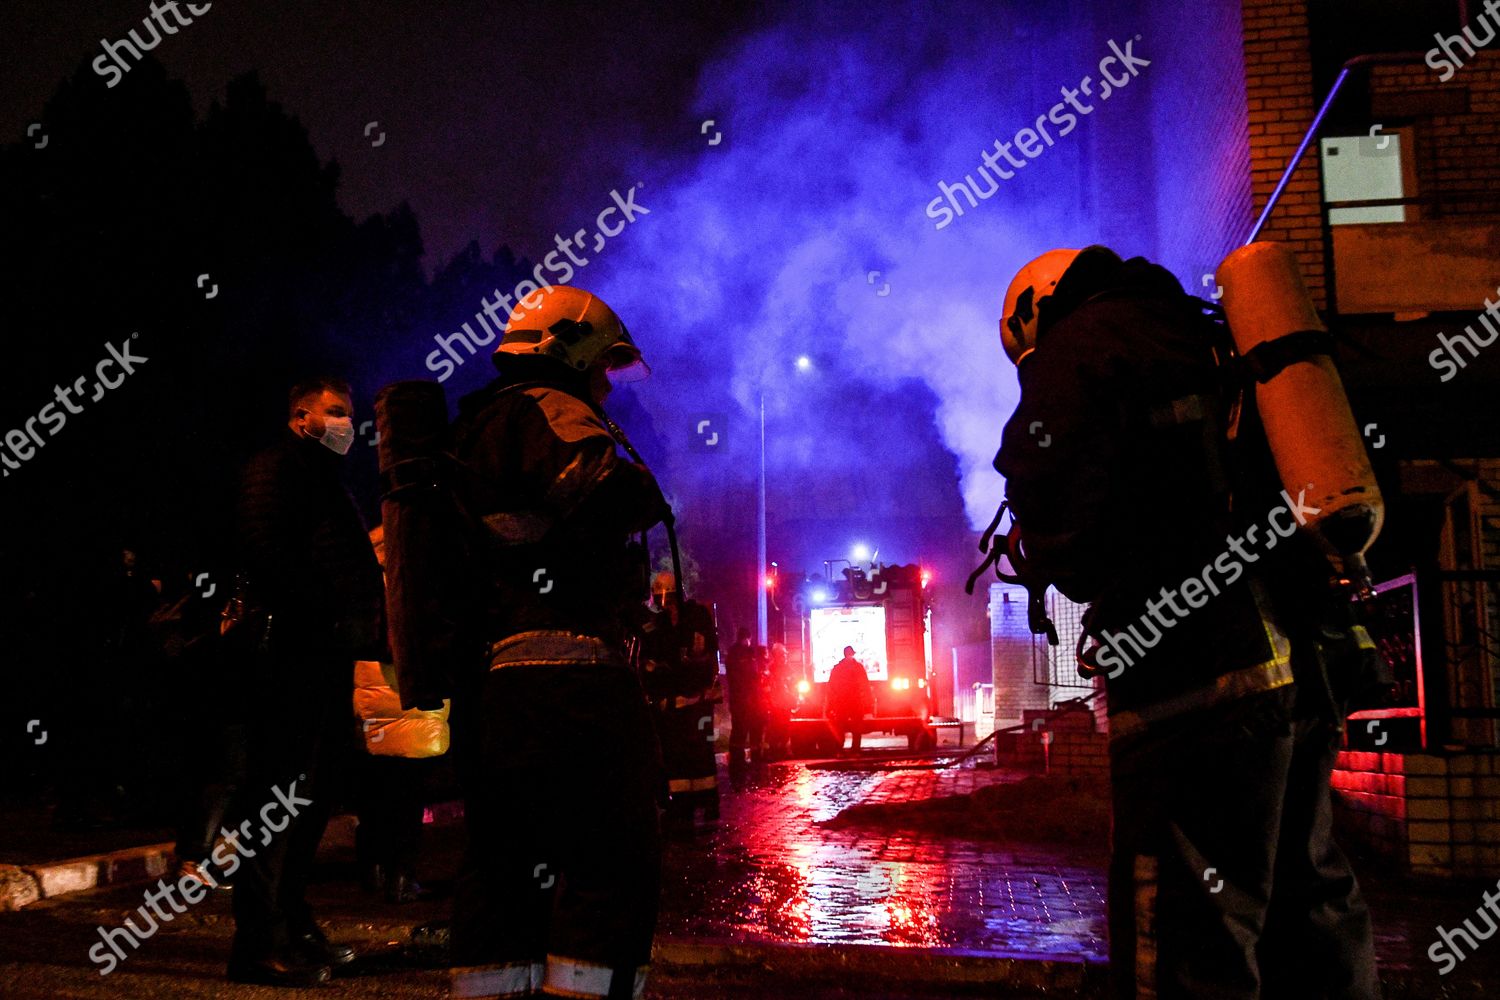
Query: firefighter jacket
[(1119, 474), (555, 505), (679, 656)]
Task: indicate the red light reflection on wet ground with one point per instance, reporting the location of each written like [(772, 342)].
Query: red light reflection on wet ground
[(769, 873)]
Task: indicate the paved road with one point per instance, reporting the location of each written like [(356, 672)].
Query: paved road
[(769, 877), (770, 872), (44, 956), (44, 950)]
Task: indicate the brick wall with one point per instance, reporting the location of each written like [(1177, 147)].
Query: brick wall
[(1079, 751), (1456, 127), (1066, 742), (1432, 814), (1279, 88), (1489, 512)]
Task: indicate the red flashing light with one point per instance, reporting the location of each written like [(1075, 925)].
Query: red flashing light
[(926, 578)]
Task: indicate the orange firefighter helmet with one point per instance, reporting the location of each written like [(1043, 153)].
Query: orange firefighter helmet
[(1032, 284), (575, 328)]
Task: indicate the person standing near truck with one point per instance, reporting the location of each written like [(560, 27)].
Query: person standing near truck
[(850, 699), (747, 704)]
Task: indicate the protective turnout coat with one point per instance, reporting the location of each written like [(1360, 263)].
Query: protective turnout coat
[(1118, 470)]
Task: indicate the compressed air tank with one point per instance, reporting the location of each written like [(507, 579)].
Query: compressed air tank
[(1309, 425), (426, 548)]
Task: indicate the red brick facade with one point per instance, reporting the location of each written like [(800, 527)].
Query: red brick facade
[(1456, 129), (1430, 814), (1064, 742), (1279, 85)]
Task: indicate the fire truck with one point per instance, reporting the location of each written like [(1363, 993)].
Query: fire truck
[(884, 614)]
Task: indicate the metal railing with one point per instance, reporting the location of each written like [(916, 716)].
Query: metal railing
[(1469, 712)]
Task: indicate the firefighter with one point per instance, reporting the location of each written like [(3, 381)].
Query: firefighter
[(1224, 714), (781, 702), (744, 674), (560, 892), (850, 699), (680, 672)]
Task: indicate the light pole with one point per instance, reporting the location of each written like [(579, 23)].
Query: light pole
[(762, 614)]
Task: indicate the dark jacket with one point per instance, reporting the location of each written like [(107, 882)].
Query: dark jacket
[(849, 693), (306, 554), (679, 652), (742, 675), (1116, 470), (557, 504)]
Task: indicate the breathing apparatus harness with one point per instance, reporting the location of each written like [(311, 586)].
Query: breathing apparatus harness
[(669, 518), (1237, 375)]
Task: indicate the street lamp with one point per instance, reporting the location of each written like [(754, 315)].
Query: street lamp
[(762, 613)]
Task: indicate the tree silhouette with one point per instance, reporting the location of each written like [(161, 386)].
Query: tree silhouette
[(217, 250), (107, 230)]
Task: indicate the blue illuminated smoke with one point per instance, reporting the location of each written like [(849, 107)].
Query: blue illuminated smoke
[(802, 234)]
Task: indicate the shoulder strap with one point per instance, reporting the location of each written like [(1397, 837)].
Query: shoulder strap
[(1270, 358)]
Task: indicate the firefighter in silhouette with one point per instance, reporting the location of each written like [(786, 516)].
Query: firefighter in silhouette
[(680, 672), (747, 702), (850, 699), (781, 701), (560, 892), (1228, 656)]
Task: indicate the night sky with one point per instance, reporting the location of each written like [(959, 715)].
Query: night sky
[(498, 116), (799, 234)]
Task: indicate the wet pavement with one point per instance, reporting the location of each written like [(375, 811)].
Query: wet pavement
[(890, 908), (770, 873)]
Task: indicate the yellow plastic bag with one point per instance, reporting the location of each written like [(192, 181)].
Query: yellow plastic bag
[(388, 730)]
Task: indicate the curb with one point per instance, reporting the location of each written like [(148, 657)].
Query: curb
[(23, 885), (1068, 975)]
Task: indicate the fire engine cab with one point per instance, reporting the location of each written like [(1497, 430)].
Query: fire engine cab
[(883, 613)]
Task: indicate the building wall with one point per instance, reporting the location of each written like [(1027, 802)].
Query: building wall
[(1056, 742), (1012, 655), (1197, 86), (1281, 105), (1456, 128), (1429, 814)]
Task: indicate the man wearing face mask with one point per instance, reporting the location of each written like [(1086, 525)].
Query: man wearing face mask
[(555, 742), (308, 570)]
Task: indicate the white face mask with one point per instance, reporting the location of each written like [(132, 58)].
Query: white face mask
[(338, 434)]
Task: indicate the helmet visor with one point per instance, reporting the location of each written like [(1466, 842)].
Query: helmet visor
[(624, 363)]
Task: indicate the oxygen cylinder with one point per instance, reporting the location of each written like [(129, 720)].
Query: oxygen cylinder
[(1306, 415), (426, 547)]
